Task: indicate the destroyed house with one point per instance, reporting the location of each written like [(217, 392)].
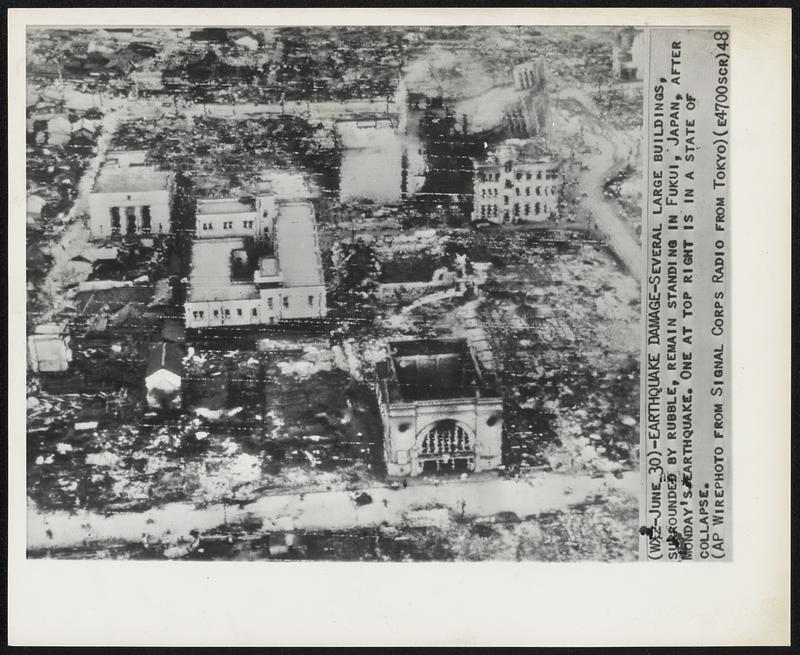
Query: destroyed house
[(440, 410), (129, 197), (236, 281)]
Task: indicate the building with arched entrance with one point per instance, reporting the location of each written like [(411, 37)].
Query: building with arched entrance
[(441, 410)]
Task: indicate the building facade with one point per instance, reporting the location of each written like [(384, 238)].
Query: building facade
[(250, 216), (529, 75), (440, 411), (509, 190), (244, 280), (130, 198)]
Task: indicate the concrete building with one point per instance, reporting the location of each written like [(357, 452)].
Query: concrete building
[(515, 187), (627, 54), (49, 349), (242, 280), (250, 216), (163, 376), (129, 198), (440, 410), (372, 159), (529, 74)]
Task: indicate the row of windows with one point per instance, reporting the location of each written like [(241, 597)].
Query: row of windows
[(228, 225), (491, 210), (518, 175), (547, 191), (226, 313)]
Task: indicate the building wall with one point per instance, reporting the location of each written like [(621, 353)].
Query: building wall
[(238, 224), (528, 75), (273, 305), (101, 204), (521, 193), (406, 424)]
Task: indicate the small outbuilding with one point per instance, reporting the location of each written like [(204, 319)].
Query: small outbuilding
[(164, 375)]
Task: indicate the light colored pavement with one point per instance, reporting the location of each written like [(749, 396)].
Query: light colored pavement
[(420, 503)]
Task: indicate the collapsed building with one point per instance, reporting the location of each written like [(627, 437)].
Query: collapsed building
[(628, 54), (258, 279), (441, 411), (516, 185), (129, 197)]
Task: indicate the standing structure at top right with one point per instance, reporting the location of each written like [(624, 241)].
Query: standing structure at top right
[(516, 185)]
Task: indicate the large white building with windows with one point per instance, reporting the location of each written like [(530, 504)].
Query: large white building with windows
[(235, 217), (441, 410), (259, 276), (512, 187), (129, 197)]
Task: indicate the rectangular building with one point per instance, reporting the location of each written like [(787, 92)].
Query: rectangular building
[(130, 198), (234, 217), (513, 189), (440, 410), (241, 280)]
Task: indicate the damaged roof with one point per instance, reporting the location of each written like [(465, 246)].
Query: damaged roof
[(433, 369)]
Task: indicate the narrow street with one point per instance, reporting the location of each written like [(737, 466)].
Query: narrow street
[(422, 502)]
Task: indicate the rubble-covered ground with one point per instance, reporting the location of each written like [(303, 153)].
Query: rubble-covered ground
[(601, 529), (251, 422)]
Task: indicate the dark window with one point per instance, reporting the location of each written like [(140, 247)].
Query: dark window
[(269, 303), (130, 219), (537, 209), (286, 302), (146, 219), (254, 312), (115, 221), (311, 301), (238, 311)]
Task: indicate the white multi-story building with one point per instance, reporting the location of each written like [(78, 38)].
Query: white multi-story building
[(511, 188), (238, 280), (130, 198), (234, 217), (440, 410)]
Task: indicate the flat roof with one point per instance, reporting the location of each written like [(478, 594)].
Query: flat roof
[(210, 275), (113, 179), (296, 245), (206, 206)]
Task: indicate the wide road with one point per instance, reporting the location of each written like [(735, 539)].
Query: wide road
[(423, 502), (610, 151)]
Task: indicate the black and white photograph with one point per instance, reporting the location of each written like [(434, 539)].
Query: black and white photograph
[(375, 315), (348, 293)]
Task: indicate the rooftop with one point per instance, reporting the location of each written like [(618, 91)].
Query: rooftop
[(297, 246), (210, 276), (165, 355), (113, 179), (432, 369), (208, 206)]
